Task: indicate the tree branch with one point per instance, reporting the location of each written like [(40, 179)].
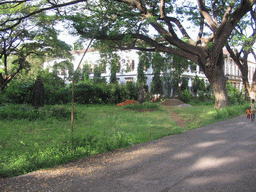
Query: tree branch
[(206, 15), (20, 19), (154, 46), (162, 9)]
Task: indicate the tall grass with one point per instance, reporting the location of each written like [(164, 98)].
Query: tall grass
[(201, 115), (28, 144), (44, 140)]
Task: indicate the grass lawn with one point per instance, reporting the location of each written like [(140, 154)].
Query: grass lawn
[(27, 145)]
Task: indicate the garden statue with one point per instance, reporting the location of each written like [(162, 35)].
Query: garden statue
[(38, 93), (141, 98)]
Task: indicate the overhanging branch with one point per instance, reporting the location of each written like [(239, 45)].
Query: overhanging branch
[(18, 20)]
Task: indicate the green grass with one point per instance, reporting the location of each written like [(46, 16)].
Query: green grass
[(44, 140), (143, 106), (201, 115), (27, 145)]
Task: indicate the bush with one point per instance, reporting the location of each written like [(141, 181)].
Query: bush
[(2, 98), (186, 96), (234, 95), (143, 106), (20, 92), (85, 93), (132, 90), (88, 93), (12, 111), (229, 112)]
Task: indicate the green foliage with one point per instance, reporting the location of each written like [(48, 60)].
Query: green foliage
[(184, 83), (18, 112), (2, 98), (20, 92), (198, 85), (118, 93), (91, 93), (157, 64), (141, 77), (31, 145), (229, 112), (26, 43), (157, 84), (167, 83), (113, 72), (186, 96), (85, 92), (54, 95), (234, 95), (97, 75), (86, 71), (143, 106), (132, 90)]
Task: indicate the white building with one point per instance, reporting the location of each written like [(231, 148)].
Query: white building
[(129, 64)]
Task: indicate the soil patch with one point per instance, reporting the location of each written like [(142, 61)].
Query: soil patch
[(142, 110), (172, 102), (175, 117)]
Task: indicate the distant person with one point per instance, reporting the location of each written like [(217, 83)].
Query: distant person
[(253, 109), (248, 112)]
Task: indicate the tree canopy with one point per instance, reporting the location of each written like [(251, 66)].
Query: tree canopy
[(149, 25), (164, 26), (240, 45), (35, 38), (14, 13)]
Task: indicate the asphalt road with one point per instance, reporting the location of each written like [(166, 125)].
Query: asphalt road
[(218, 157)]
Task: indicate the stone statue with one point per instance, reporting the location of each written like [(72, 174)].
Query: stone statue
[(38, 94)]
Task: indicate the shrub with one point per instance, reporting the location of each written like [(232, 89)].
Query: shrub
[(132, 90), (87, 93), (186, 96), (22, 111), (2, 98), (20, 92), (229, 112), (201, 95), (118, 93), (143, 106), (234, 95)]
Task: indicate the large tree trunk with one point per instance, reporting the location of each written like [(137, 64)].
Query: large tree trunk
[(253, 87), (215, 74), (247, 88)]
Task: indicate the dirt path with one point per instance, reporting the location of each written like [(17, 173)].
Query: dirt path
[(175, 117)]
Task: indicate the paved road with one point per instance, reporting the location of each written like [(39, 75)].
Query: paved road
[(217, 157)]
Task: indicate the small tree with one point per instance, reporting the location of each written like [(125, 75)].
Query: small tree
[(97, 75), (86, 72), (144, 61), (141, 77), (167, 82), (198, 85), (157, 64), (184, 83), (115, 67)]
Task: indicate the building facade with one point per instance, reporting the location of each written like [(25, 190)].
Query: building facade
[(129, 61)]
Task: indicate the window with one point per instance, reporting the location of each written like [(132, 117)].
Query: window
[(128, 79), (250, 71), (227, 69), (133, 64)]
